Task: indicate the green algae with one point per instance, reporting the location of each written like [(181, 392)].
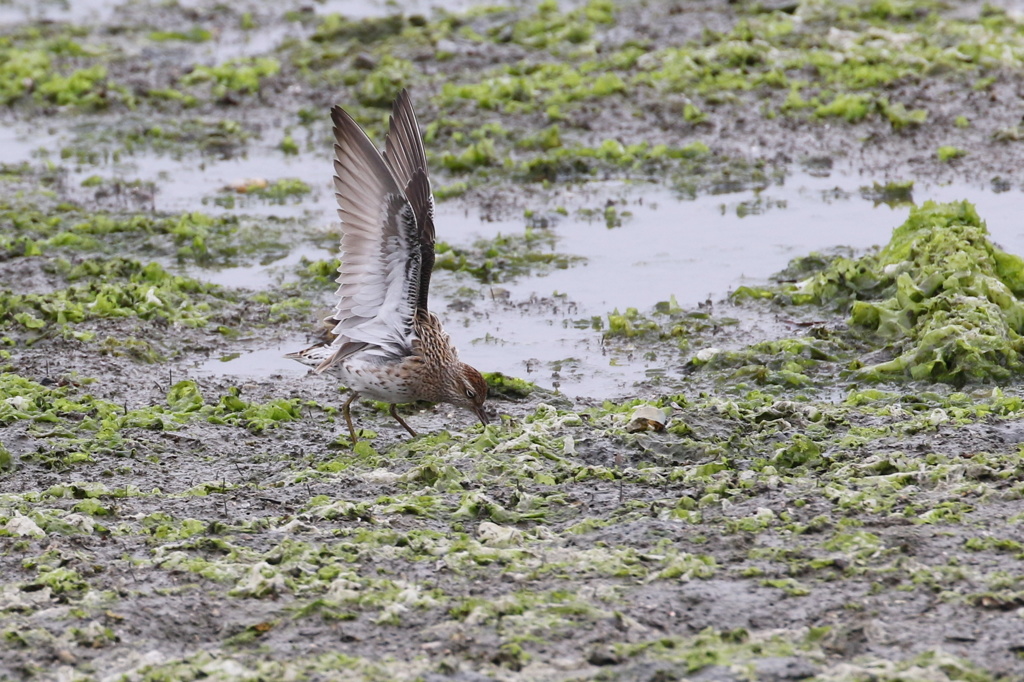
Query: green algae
[(891, 193), (279, 192), (86, 88), (335, 28), (549, 27), (498, 259), (790, 362), (504, 257), (231, 409), (940, 295), (164, 129), (236, 77), (192, 237), (506, 387), (668, 328), (949, 152), (576, 161), (940, 299), (196, 34), (710, 648), (34, 68), (113, 288), (80, 427), (221, 136)]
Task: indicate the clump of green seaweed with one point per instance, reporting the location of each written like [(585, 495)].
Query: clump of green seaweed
[(940, 295)]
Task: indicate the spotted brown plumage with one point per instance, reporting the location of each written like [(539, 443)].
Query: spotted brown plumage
[(386, 344)]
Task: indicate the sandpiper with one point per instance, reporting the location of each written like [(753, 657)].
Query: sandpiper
[(386, 344)]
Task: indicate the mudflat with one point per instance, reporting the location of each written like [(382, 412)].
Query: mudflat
[(817, 476)]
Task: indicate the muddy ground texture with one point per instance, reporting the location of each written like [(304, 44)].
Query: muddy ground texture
[(840, 502)]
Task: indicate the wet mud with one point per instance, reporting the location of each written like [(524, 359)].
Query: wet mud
[(175, 504)]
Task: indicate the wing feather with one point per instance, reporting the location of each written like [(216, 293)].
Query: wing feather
[(403, 146), (404, 153), (379, 277), (422, 202)]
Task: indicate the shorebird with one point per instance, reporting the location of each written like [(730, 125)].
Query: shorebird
[(386, 344)]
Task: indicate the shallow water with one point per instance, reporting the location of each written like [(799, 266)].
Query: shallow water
[(98, 11), (695, 250), (253, 360), (77, 11), (691, 249)]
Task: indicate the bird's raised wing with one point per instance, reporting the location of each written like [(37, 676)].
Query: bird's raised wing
[(379, 277), (403, 151)]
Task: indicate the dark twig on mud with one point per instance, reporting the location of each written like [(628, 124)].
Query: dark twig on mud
[(128, 564), (622, 477)]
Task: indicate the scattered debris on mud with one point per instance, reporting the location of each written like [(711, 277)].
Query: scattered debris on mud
[(821, 479)]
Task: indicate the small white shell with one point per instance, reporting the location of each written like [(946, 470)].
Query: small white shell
[(646, 418)]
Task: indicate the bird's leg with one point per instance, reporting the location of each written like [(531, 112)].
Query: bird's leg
[(348, 416), (394, 413)]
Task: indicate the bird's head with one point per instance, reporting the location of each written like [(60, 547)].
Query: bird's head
[(467, 388)]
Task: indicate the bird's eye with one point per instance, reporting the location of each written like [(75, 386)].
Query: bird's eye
[(470, 393)]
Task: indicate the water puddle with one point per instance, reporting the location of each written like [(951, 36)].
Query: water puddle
[(694, 250), (96, 11), (707, 247), (362, 9), (195, 182), (691, 249), (256, 362), (255, 277), (73, 11), (21, 143)]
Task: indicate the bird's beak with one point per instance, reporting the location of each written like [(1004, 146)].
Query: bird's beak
[(484, 419)]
